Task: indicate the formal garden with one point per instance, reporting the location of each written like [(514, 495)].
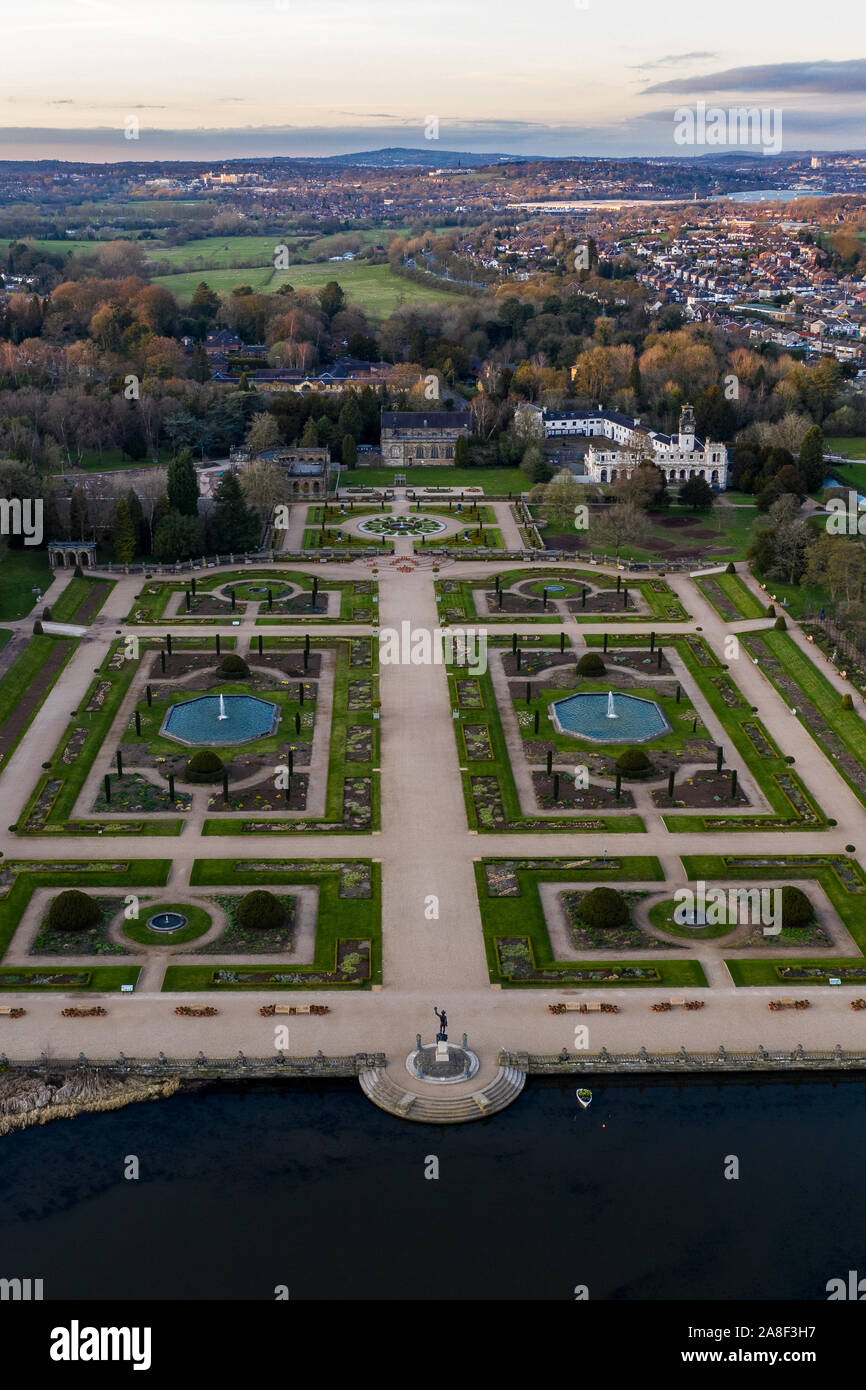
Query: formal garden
[(190, 727), (241, 924)]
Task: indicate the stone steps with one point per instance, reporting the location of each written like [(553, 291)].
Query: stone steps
[(383, 1091)]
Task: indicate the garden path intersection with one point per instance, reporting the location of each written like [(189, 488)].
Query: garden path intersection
[(428, 855)]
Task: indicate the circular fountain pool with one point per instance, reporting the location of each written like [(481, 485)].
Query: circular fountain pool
[(166, 921)]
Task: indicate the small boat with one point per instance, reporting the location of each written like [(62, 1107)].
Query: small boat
[(584, 1098)]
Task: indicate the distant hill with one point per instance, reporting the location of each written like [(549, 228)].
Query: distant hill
[(394, 157)]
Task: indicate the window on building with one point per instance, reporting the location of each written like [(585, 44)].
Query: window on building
[(434, 451)]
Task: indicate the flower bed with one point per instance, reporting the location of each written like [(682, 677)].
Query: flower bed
[(269, 1010), (95, 1011), (196, 1011)]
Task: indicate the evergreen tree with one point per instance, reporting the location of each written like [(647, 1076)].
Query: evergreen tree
[(178, 537), (634, 382), (204, 303), (811, 459), (461, 452), (199, 367), (123, 533), (350, 451), (350, 420), (136, 513), (235, 525), (183, 484), (310, 435), (697, 494)]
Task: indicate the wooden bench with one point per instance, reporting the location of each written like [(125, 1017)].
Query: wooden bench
[(292, 1008), (677, 1003), (5, 1008), (589, 1006)]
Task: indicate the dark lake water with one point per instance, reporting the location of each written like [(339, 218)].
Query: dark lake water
[(314, 1188)]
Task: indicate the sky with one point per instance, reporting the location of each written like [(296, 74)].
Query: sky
[(220, 79)]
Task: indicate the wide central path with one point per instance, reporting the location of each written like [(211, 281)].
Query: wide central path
[(430, 911)]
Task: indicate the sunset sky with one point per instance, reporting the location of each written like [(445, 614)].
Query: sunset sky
[(226, 78)]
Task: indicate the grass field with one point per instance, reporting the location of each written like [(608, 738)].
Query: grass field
[(854, 448), (724, 533), (58, 247), (493, 480), (20, 571), (372, 287)]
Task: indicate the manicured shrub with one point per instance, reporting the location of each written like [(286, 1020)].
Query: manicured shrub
[(604, 907), (771, 610), (78, 572), (633, 762), (730, 567), (46, 615), (204, 766), (233, 667), (780, 625), (37, 628), (797, 911), (260, 911), (590, 664), (849, 849), (847, 702), (73, 910)]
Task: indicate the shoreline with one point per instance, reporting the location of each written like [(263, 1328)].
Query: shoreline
[(35, 1101)]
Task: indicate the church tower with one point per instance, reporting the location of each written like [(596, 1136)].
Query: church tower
[(687, 428)]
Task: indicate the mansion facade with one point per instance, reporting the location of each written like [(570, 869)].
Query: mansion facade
[(620, 443), (422, 438)]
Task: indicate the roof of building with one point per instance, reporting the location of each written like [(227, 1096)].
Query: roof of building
[(419, 419)]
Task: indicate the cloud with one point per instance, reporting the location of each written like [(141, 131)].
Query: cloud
[(822, 76), (671, 59)]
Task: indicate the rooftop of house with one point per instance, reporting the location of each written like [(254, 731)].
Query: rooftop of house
[(425, 419)]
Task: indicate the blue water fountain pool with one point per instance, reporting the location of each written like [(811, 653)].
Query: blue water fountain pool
[(167, 921), (220, 720), (611, 718)]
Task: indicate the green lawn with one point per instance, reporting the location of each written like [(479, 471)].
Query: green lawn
[(723, 533), (20, 571), (17, 686), (57, 247), (372, 287), (846, 724), (734, 589), (75, 596), (854, 448), (499, 481)]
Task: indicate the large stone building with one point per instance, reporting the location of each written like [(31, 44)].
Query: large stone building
[(422, 438), (620, 443), (309, 472)]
